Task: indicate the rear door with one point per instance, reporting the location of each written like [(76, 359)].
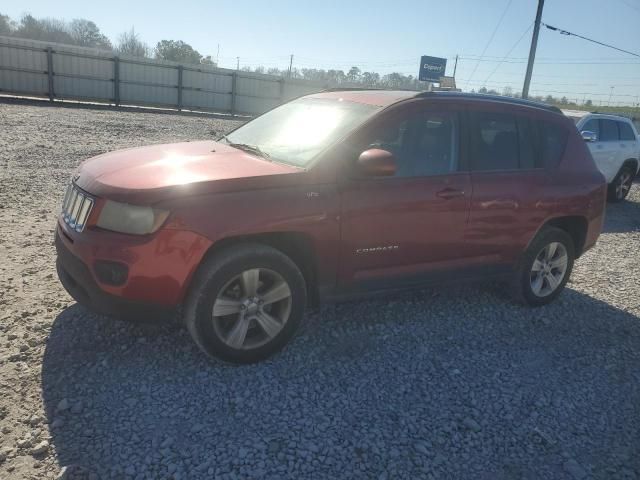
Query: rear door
[(608, 152), (395, 230), (508, 181), (628, 141)]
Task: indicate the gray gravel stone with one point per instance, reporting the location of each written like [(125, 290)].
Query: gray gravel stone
[(573, 468), (41, 448), (448, 382)]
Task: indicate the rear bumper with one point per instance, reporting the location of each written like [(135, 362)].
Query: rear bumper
[(80, 284)]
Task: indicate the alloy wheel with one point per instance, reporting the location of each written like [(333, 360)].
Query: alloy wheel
[(549, 269), (623, 185), (252, 308)]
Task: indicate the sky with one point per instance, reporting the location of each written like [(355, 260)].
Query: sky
[(387, 36)]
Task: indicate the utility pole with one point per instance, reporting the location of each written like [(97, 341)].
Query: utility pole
[(610, 94), (237, 63), (218, 56), (455, 67), (532, 51), (290, 64)]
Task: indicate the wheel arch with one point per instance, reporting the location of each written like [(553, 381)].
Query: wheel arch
[(633, 163), (575, 225), (297, 246)]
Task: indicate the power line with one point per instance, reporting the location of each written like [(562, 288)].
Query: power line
[(493, 34), (615, 62), (509, 52), (630, 5), (565, 32)]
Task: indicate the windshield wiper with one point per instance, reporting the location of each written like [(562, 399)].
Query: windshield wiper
[(249, 148)]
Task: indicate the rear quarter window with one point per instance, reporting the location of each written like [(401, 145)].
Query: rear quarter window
[(553, 141)]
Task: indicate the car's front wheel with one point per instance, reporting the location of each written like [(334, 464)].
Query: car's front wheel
[(246, 303), (621, 185), (545, 267)]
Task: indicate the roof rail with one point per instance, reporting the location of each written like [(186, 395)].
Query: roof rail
[(350, 89), (493, 98), (366, 89)]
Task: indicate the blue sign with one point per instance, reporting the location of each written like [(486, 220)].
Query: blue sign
[(432, 68)]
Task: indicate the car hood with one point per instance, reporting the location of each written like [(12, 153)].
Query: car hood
[(149, 174)]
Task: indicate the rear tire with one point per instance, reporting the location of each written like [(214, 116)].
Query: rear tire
[(246, 303), (621, 185), (545, 268)]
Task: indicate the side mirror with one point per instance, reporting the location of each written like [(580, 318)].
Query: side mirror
[(376, 162), (589, 136)]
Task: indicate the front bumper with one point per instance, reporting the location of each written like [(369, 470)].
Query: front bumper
[(80, 284)]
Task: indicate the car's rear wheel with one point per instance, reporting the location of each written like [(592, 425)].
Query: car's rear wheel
[(246, 303), (621, 185), (545, 267)]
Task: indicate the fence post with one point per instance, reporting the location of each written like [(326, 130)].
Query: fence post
[(50, 72), (179, 87), (281, 90), (116, 80), (234, 92)]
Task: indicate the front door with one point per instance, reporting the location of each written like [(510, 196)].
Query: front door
[(398, 229)]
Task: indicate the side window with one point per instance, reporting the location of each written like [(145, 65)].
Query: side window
[(553, 142), (593, 125), (394, 135), (436, 146), (608, 130), (423, 144), (626, 132), (496, 142)]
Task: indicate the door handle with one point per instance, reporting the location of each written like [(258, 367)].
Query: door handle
[(449, 193)]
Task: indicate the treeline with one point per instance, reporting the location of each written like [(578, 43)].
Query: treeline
[(562, 102), (353, 77), (85, 33)]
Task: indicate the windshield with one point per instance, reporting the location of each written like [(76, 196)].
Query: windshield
[(296, 132)]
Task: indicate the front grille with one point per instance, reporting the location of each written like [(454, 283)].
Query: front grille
[(76, 208)]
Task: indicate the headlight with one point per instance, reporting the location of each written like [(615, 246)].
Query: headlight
[(133, 219)]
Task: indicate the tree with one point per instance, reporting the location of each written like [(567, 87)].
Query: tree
[(482, 90), (46, 29), (7, 26), (353, 75), (564, 100), (588, 103), (208, 61), (507, 92), (336, 77), (129, 43), (370, 78), (549, 99), (177, 51), (87, 34)]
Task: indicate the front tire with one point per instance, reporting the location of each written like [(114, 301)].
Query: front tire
[(246, 303), (621, 185), (545, 267)]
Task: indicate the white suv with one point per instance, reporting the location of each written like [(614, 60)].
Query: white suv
[(615, 147)]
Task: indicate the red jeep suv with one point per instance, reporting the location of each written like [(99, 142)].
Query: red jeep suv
[(329, 196)]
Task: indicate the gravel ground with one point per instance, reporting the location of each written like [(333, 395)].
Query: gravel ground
[(442, 383)]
